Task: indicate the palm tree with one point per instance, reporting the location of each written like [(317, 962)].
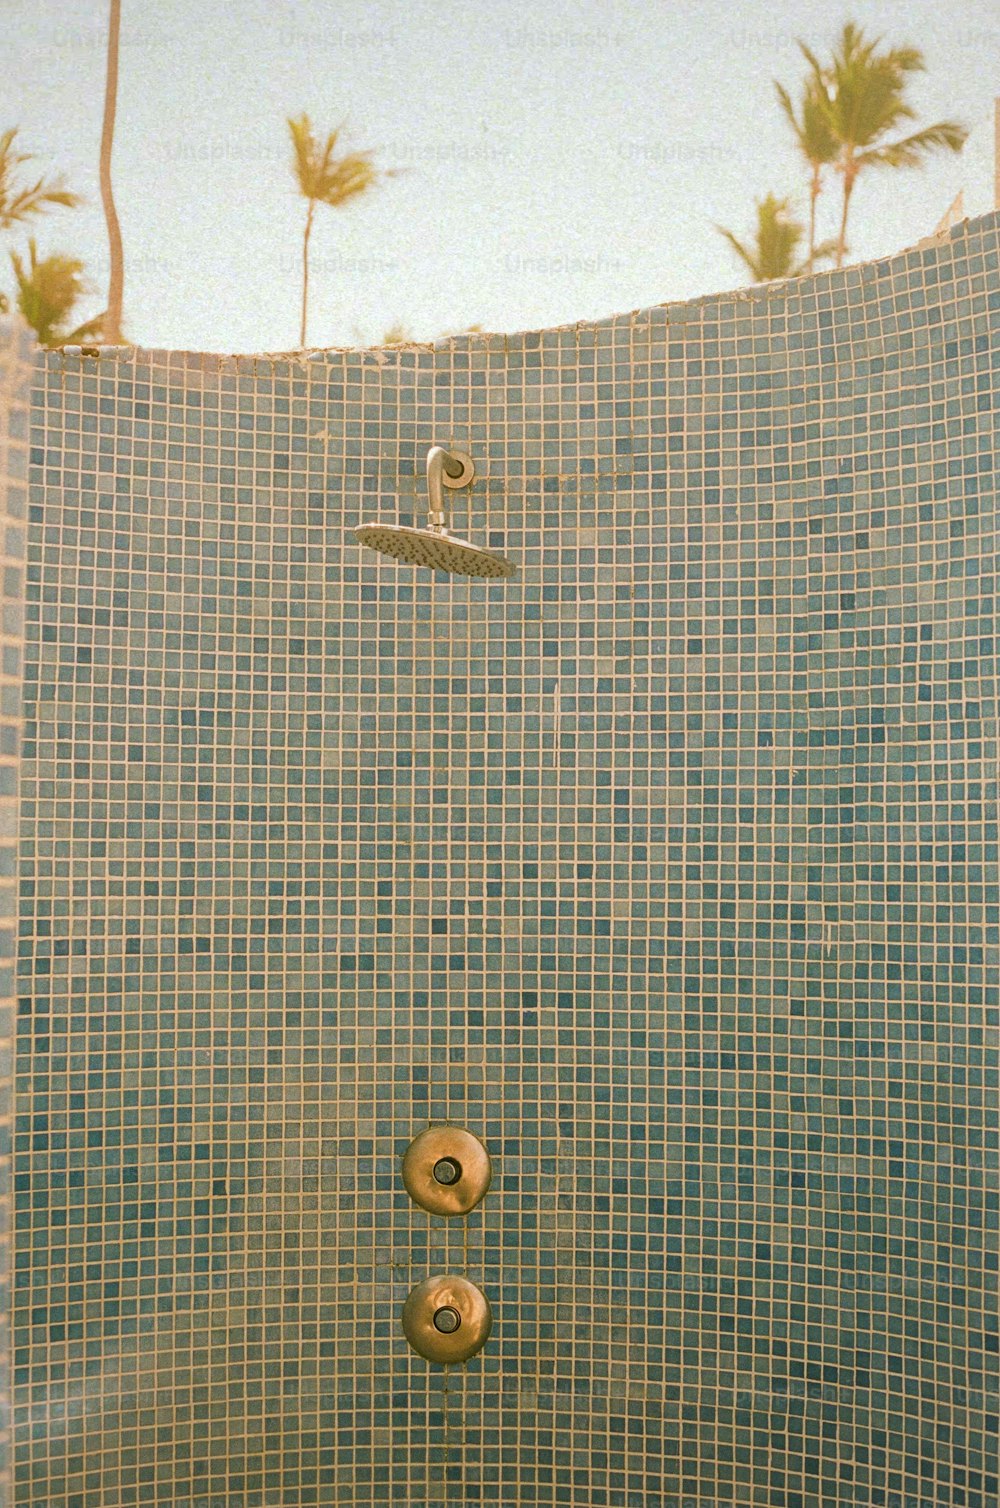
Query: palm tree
[(48, 290), (323, 177), (18, 204), (815, 140), (865, 93), (773, 252), (116, 261)]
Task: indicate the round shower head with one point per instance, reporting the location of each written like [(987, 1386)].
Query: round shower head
[(433, 547)]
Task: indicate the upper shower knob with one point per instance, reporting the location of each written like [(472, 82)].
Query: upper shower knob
[(447, 1171)]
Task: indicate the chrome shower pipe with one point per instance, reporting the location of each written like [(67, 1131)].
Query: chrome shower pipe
[(441, 462)]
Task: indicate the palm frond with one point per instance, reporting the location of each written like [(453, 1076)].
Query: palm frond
[(323, 176), (745, 255), (813, 61), (48, 289), (785, 101), (864, 100), (19, 203), (91, 329), (35, 200), (348, 176), (777, 236), (905, 59), (910, 151), (304, 149), (814, 134), (826, 250), (819, 138)]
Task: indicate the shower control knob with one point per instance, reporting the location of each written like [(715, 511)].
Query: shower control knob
[(447, 1319), (447, 1170)]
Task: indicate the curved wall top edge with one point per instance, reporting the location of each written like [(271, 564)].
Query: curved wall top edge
[(821, 284)]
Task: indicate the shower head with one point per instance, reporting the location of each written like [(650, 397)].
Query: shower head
[(433, 545), (435, 548)]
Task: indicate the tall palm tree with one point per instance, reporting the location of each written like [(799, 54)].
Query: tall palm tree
[(48, 290), (324, 177), (116, 258), (865, 92), (815, 139), (21, 203), (773, 253)]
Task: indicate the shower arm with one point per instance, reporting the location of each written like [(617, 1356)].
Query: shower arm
[(444, 469)]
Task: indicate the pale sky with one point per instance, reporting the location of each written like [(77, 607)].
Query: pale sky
[(563, 160)]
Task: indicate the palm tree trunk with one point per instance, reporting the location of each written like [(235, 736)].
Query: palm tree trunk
[(112, 325), (305, 271), (850, 173)]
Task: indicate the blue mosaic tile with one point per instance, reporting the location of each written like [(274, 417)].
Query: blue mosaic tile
[(669, 867)]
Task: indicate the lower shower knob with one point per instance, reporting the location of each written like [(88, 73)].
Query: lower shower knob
[(447, 1319)]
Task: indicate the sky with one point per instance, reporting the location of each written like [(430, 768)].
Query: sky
[(562, 161)]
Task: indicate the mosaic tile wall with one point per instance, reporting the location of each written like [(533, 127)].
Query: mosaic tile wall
[(15, 381), (670, 867)]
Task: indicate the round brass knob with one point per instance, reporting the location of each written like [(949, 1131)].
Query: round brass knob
[(447, 1319), (447, 1170)]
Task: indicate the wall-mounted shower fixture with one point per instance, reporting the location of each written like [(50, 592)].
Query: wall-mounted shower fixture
[(446, 1170), (447, 1319), (434, 546)]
